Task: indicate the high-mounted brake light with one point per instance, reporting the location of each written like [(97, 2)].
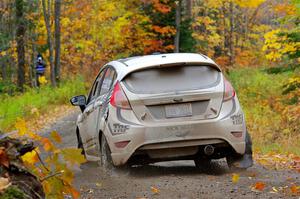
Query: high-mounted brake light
[(229, 92), (119, 99)]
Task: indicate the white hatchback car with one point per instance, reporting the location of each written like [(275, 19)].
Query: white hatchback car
[(162, 107)]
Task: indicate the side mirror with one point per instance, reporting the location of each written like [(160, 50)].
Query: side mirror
[(80, 101)]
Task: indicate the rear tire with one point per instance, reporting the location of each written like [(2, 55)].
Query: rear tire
[(241, 162), (105, 154)]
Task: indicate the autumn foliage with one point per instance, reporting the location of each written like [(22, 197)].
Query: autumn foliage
[(54, 168)]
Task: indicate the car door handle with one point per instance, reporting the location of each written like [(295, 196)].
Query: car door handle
[(89, 110), (98, 104)]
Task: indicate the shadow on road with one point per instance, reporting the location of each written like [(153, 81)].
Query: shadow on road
[(178, 168)]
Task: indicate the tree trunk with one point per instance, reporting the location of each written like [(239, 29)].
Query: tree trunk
[(225, 41), (47, 13), (178, 20), (57, 39), (189, 6), (20, 34), (231, 30), (3, 70)]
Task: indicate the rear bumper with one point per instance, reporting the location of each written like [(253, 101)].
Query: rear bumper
[(183, 134)]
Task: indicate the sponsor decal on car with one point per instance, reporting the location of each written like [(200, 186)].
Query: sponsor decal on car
[(237, 119), (120, 128)]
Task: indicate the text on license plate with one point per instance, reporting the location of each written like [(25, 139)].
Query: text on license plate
[(178, 110)]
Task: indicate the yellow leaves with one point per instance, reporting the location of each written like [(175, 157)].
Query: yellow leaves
[(65, 21), (73, 156), (54, 170), (249, 3), (30, 157), (235, 178), (277, 45), (211, 36), (21, 127), (55, 136), (42, 80), (2, 53), (278, 161)]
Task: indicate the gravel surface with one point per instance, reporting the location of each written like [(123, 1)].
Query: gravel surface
[(172, 180)]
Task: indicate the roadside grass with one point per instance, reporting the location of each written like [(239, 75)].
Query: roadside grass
[(261, 97), (37, 101)]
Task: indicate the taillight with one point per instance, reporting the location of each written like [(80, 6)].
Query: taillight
[(118, 98), (229, 92)]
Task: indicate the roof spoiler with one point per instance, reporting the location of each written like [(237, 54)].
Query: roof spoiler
[(189, 64)]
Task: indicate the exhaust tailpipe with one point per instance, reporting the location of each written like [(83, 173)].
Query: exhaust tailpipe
[(209, 150)]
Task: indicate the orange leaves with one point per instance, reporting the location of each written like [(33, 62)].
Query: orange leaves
[(296, 163), (288, 188), (47, 144), (285, 9), (161, 7), (278, 161), (259, 186), (3, 158), (167, 30), (75, 194), (295, 190), (155, 190)]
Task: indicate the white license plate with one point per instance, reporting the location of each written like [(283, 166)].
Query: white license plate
[(178, 110)]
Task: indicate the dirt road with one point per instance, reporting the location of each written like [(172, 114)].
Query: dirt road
[(172, 180)]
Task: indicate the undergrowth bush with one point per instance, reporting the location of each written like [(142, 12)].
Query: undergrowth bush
[(21, 106), (272, 122)]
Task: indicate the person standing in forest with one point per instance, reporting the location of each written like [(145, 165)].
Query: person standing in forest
[(40, 70)]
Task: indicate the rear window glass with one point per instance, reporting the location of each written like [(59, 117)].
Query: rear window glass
[(172, 79)]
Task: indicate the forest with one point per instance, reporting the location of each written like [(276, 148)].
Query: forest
[(255, 42)]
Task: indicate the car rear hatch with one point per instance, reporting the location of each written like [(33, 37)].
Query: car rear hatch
[(175, 93)]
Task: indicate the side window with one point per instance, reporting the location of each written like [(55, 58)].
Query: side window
[(108, 80), (95, 89)]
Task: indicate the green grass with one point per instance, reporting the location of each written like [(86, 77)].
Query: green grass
[(259, 92), (21, 106)]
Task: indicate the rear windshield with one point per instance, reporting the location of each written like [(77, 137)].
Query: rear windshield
[(172, 79)]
